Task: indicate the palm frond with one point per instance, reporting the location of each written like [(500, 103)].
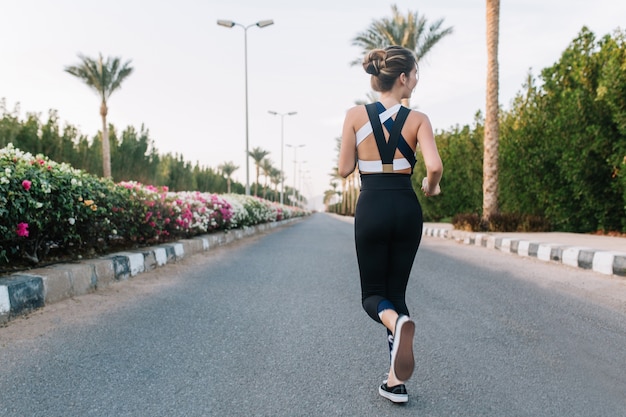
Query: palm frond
[(102, 76), (411, 31)]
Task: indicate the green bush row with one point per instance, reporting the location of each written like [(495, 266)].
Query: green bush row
[(49, 209), (562, 152)]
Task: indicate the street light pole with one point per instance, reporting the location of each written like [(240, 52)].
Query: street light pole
[(260, 24), (282, 147), (295, 163)]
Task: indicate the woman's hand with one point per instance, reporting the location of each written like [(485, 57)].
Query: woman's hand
[(426, 191)]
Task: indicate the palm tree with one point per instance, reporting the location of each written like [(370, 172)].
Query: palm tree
[(104, 77), (227, 169), (276, 176), (410, 31), (266, 167), (492, 127), (329, 194), (258, 155)]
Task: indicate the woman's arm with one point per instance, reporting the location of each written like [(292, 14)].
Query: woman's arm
[(432, 160), (347, 154)]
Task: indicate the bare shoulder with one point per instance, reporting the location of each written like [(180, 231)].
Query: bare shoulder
[(417, 119), (355, 111), (356, 116), (419, 116)]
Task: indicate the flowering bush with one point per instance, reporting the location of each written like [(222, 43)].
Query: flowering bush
[(152, 213), (256, 210), (46, 206), (195, 213)]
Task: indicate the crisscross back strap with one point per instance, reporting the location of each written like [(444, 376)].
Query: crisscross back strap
[(403, 146), (387, 148), (379, 135)]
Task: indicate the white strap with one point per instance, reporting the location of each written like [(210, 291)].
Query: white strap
[(366, 129), (377, 166)]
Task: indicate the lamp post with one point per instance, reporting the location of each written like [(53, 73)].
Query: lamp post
[(300, 172), (303, 179), (282, 147), (295, 163), (260, 24)]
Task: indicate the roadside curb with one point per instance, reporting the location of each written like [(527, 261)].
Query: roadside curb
[(22, 292), (604, 262)]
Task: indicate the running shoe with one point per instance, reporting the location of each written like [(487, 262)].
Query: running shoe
[(395, 394), (402, 360)]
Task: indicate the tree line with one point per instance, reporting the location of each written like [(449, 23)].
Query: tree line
[(562, 149), (134, 156)]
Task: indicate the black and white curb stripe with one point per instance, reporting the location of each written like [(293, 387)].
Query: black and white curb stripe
[(29, 290), (604, 262)]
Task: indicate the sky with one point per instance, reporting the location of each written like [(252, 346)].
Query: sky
[(188, 84)]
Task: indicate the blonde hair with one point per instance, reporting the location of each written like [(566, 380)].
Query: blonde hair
[(386, 65)]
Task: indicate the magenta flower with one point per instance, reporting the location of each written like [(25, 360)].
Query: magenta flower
[(26, 184), (22, 229)]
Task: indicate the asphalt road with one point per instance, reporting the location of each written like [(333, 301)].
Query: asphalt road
[(273, 326)]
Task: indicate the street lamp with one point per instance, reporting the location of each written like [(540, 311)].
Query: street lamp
[(295, 163), (261, 24), (282, 147), (300, 172), (304, 176)]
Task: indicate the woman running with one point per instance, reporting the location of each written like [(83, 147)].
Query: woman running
[(381, 138)]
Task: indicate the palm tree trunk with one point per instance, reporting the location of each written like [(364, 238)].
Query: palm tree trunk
[(492, 127), (106, 146)]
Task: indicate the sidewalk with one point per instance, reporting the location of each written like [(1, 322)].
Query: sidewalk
[(28, 290), (602, 254)]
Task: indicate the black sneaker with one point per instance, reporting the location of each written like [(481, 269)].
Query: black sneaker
[(402, 360), (395, 394)]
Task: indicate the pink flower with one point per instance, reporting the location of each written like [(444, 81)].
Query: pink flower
[(26, 184), (22, 229)]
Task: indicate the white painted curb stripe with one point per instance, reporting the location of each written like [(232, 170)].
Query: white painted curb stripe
[(544, 251), (522, 248), (160, 254), (603, 262), (179, 250), (5, 303), (136, 262), (570, 256), (505, 246)]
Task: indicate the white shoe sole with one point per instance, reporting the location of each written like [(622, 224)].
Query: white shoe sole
[(402, 358), (396, 398)]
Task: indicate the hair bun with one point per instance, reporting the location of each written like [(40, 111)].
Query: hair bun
[(374, 61), (371, 68)]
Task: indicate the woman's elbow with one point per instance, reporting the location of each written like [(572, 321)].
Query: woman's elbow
[(435, 168), (345, 171)]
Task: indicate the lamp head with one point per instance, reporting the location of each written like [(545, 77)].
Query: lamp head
[(263, 23), (226, 23)]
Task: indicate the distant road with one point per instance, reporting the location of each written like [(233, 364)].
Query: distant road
[(272, 326)]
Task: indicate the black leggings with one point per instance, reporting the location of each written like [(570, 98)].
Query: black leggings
[(388, 230)]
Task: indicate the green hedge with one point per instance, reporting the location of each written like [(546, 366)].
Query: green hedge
[(47, 207)]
